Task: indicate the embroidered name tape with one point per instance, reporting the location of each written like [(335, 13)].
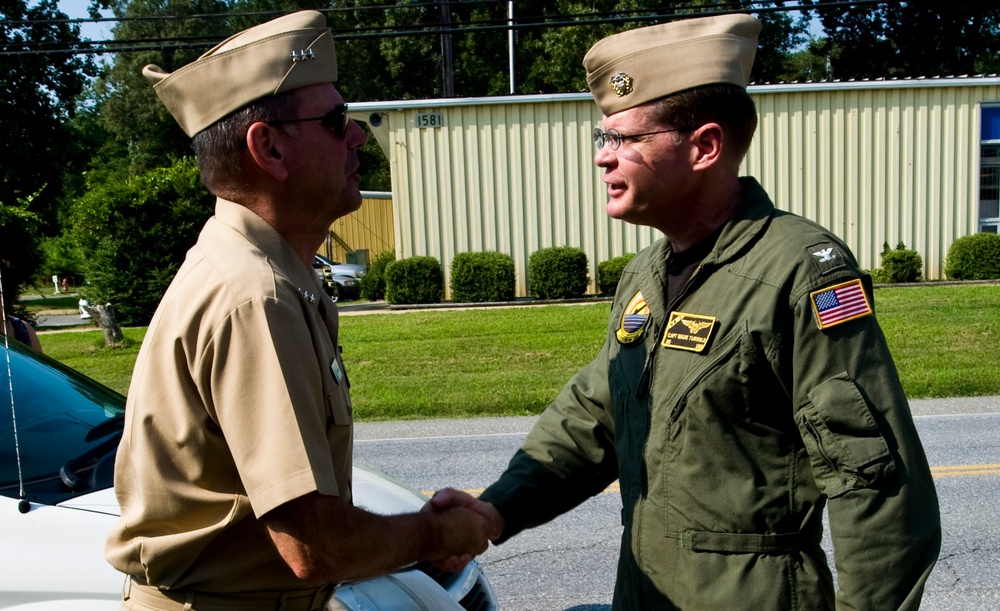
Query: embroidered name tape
[(688, 331), (839, 304)]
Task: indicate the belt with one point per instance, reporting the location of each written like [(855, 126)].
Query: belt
[(312, 599)]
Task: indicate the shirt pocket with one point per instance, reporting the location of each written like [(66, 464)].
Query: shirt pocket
[(846, 448)]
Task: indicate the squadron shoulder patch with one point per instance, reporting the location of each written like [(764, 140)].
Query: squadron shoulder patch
[(688, 331), (840, 303), (635, 318)]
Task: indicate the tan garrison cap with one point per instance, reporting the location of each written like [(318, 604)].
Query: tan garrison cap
[(283, 54), (638, 66)]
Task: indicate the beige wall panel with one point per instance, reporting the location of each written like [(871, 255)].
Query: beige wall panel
[(875, 165), (369, 228), (513, 178), (872, 163)]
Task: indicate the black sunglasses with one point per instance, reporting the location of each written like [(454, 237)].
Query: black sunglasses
[(336, 120)]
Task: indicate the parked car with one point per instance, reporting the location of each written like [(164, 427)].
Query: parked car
[(341, 280), (57, 449)]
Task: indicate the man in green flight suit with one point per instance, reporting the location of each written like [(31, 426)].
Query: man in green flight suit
[(744, 385)]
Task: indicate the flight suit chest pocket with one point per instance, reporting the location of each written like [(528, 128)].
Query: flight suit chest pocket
[(630, 370)]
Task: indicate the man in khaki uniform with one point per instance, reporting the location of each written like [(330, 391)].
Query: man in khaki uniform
[(234, 472), (744, 384)]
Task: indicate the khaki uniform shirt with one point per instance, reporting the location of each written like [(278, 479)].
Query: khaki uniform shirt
[(238, 404), (732, 417)]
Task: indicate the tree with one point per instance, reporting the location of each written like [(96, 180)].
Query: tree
[(133, 235), (553, 55), (37, 93), (911, 39), (19, 239), (780, 36), (144, 134)]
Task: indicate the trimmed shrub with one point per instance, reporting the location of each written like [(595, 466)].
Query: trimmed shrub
[(974, 257), (559, 272), (373, 282), (414, 280), (482, 276), (610, 272), (899, 265), (133, 236)]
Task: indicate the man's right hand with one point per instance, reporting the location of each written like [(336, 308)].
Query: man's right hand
[(463, 535), (450, 500)]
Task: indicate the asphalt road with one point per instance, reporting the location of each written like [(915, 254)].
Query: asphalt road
[(569, 564)]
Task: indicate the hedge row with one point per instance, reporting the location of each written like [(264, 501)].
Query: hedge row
[(561, 272), (973, 257), (478, 277)]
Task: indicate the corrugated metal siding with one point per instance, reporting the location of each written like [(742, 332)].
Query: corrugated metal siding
[(513, 178), (369, 228), (873, 164)]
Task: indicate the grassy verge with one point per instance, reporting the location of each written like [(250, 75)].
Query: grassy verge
[(945, 340), (52, 305), (85, 351), (513, 361)]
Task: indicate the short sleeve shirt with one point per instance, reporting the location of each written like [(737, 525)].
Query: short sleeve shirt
[(238, 404)]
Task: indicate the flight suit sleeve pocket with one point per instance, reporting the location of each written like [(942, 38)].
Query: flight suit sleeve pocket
[(846, 448)]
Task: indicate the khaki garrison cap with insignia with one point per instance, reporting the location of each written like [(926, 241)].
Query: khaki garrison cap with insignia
[(631, 68), (286, 53)]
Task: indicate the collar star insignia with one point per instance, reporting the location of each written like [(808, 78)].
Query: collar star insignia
[(303, 55), (310, 296)]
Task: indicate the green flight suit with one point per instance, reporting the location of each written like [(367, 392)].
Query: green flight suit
[(731, 440)]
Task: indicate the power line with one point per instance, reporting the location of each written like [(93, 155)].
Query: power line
[(524, 24), (228, 15)]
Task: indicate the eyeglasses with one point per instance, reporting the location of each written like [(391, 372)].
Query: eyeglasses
[(615, 137), (336, 120)]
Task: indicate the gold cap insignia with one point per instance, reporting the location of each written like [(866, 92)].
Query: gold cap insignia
[(688, 331), (621, 83), (635, 317)]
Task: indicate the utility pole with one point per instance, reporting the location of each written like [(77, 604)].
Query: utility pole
[(447, 59), (510, 42)]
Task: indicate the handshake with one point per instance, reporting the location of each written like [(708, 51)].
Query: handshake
[(465, 527)]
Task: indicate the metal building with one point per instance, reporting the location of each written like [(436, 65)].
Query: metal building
[(876, 162), (359, 237)]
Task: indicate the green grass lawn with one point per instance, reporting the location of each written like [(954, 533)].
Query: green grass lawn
[(513, 361), (945, 340), (50, 305)]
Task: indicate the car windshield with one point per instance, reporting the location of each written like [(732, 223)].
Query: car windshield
[(66, 423)]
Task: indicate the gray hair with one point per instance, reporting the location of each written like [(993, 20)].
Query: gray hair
[(219, 148)]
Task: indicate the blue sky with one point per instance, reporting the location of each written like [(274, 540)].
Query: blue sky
[(77, 9)]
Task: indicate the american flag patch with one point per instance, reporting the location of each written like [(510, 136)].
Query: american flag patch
[(840, 303)]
